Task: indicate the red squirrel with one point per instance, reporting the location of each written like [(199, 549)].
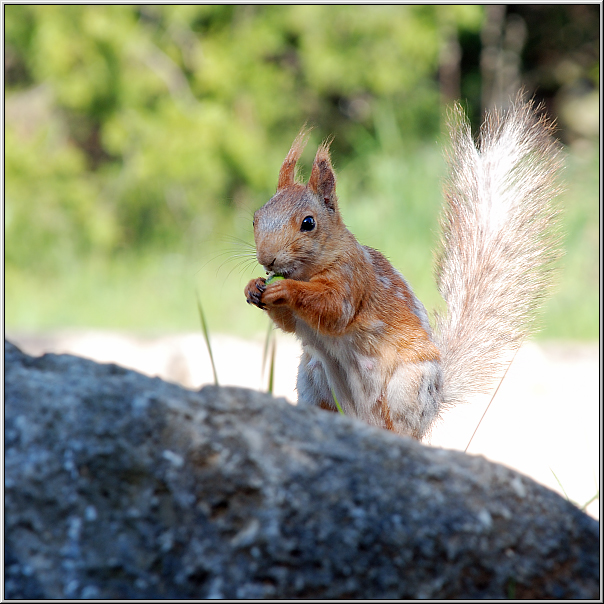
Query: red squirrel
[(366, 338)]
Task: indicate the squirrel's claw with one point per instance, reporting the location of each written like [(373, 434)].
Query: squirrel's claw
[(253, 292)]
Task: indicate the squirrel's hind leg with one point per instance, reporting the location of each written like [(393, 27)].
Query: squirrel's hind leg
[(413, 395)]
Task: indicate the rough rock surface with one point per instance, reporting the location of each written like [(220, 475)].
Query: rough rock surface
[(122, 486)]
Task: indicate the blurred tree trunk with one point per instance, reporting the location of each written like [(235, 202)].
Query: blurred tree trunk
[(449, 70), (503, 38)]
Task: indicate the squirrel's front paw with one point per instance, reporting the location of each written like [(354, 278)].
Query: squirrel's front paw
[(277, 293), (254, 290)]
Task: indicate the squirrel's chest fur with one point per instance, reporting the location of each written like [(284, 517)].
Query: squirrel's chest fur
[(383, 355)]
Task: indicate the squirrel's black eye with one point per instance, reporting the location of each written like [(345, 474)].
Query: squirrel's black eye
[(308, 224)]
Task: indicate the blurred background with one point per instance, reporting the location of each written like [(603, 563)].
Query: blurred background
[(140, 139)]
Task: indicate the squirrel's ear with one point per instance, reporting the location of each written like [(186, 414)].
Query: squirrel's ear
[(322, 177), (287, 172)]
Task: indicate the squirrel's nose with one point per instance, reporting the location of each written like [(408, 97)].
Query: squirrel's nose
[(265, 262)]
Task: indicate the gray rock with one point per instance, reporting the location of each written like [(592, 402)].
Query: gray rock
[(122, 486)]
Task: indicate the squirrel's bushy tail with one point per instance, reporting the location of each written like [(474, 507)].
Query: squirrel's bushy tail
[(499, 243)]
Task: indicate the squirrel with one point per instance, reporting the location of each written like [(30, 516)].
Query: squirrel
[(367, 341)]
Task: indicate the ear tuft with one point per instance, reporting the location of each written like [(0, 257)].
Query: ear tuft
[(287, 172), (322, 177)]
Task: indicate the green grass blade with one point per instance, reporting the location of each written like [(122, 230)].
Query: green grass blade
[(511, 589), (581, 507), (270, 344), (560, 484), (206, 336), (335, 400), (270, 334), (271, 374), (594, 498)]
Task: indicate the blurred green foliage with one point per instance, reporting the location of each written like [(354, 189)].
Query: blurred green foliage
[(136, 135), (127, 123)]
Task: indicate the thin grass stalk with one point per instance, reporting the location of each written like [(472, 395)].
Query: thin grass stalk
[(206, 335), (596, 496), (335, 400), (271, 374), (560, 484), (270, 334)]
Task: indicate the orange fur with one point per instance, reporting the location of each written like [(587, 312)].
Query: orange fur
[(287, 172)]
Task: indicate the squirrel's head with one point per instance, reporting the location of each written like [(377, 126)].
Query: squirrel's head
[(298, 229)]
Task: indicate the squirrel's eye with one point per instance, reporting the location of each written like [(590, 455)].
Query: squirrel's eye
[(308, 224)]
